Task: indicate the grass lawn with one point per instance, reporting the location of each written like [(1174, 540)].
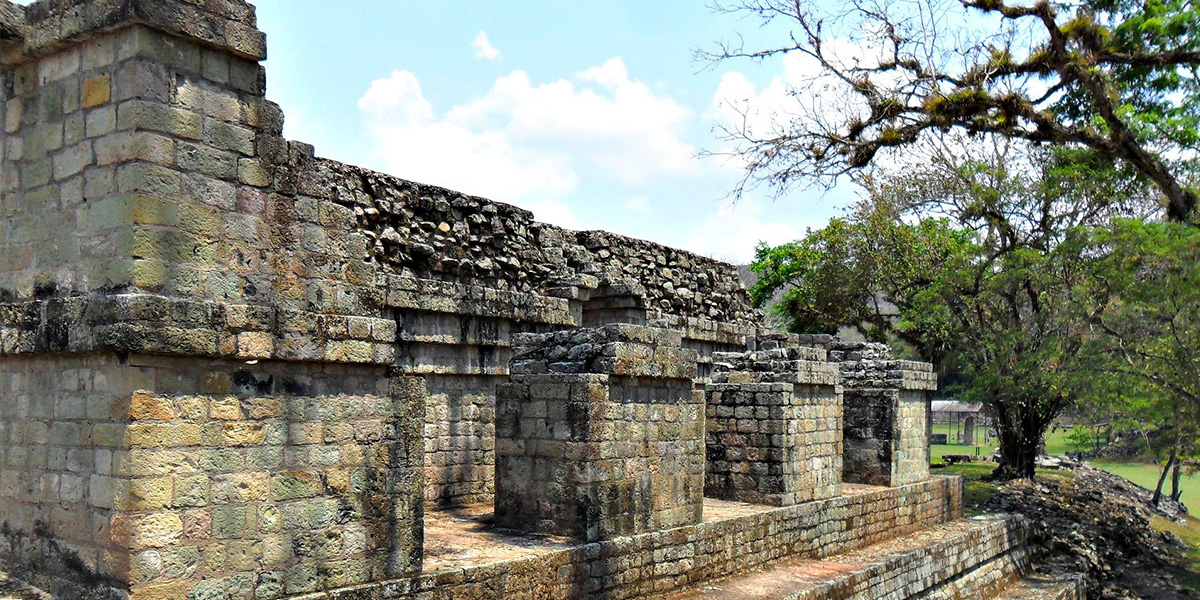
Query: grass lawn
[(1056, 444), (1189, 532), (939, 450), (1147, 477)]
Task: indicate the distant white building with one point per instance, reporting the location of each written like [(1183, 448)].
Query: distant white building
[(962, 419)]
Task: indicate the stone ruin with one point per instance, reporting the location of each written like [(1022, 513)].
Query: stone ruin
[(231, 369)]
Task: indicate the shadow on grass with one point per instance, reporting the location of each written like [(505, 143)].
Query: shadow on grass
[(1189, 532)]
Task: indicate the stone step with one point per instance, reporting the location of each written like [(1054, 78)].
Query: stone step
[(1043, 588), (968, 558)]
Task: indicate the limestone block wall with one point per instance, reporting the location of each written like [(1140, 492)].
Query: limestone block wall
[(887, 425), (600, 434), (657, 564), (63, 454), (772, 443), (774, 427), (176, 476), (460, 439), (912, 453)]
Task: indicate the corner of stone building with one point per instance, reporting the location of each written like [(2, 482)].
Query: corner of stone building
[(145, 189)]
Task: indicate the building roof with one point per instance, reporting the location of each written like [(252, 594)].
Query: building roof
[(954, 406)]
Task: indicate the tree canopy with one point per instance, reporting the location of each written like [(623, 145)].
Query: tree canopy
[(977, 251), (1117, 77)]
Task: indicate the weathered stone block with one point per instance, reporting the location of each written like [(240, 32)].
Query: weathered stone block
[(597, 455)]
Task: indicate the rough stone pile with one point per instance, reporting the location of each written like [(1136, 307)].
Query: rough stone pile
[(1096, 524)]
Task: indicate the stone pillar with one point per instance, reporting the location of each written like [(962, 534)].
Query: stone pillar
[(969, 431), (190, 407), (773, 427), (599, 434), (887, 404)]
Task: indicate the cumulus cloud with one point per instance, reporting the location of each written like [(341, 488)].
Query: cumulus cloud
[(484, 48), (733, 232), (525, 142), (638, 204), (801, 90)]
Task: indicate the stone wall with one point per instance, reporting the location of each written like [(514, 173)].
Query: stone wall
[(774, 427), (460, 439), (153, 148), (229, 367), (600, 434), (178, 476), (772, 443), (63, 453), (887, 421), (652, 565)]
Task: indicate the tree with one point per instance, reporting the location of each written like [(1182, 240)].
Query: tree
[(1143, 304), (975, 256), (850, 272), (1118, 77)]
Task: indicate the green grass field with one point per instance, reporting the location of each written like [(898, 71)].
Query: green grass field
[(1147, 477)]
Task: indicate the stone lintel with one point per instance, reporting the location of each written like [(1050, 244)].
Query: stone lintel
[(160, 325), (801, 366)]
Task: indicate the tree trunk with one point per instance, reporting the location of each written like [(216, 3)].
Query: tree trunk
[(1176, 493), (1162, 479), (1020, 434)]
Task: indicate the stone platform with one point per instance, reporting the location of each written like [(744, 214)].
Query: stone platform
[(467, 558)]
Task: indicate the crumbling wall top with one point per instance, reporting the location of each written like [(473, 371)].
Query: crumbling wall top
[(618, 349), (32, 31)]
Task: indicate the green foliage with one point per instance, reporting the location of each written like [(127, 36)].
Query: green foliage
[(1120, 78), (1080, 439), (834, 275), (976, 261), (1142, 302)]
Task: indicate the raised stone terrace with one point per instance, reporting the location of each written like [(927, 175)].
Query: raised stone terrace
[(232, 369)]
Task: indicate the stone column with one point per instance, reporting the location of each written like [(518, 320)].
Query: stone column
[(196, 388), (774, 427), (887, 404), (599, 434)]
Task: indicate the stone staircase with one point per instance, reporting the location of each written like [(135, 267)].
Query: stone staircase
[(985, 557)]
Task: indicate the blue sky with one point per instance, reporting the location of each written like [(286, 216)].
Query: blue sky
[(590, 114)]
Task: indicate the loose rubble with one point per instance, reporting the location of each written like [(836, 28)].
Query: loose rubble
[(1098, 525)]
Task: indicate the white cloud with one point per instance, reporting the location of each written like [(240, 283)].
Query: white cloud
[(604, 117), (484, 48), (413, 143), (523, 142), (553, 212), (638, 204), (733, 232)]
